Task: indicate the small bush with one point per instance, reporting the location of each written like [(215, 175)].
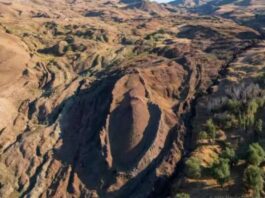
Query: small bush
[(193, 167), (202, 135), (227, 121), (259, 126), (253, 179), (221, 171), (256, 154), (182, 195), (228, 153), (233, 106), (252, 107), (211, 129)]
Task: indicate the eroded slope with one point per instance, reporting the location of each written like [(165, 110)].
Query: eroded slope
[(103, 106)]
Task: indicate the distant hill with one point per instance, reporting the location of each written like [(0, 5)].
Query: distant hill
[(131, 98), (145, 5), (250, 12)]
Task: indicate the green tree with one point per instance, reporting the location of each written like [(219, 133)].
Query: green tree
[(193, 167), (252, 107), (259, 126), (242, 120), (221, 171), (261, 101), (251, 110), (233, 106), (182, 195), (211, 128), (202, 135), (253, 179), (230, 121), (256, 154), (228, 153)]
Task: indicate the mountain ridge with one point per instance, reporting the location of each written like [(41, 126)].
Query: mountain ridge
[(113, 98)]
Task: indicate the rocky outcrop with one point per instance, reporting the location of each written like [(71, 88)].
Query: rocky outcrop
[(98, 99)]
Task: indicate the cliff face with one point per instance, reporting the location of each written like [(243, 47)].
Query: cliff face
[(96, 99)]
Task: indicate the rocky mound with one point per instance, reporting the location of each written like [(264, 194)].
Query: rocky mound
[(97, 97)]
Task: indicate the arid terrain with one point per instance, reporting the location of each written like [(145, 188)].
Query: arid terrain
[(131, 98)]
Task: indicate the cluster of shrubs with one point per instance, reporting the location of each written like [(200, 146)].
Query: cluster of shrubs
[(62, 47), (243, 116), (209, 132), (253, 175), (156, 36), (93, 34), (221, 168), (182, 195), (234, 114)]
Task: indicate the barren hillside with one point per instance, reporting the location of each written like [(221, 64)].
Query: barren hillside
[(106, 98)]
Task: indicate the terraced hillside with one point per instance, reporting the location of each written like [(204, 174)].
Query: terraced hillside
[(247, 12), (106, 98)]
